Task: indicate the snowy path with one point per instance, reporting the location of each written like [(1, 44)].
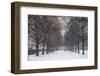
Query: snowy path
[(58, 55)]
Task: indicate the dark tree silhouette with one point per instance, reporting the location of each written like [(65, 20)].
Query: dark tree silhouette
[(77, 33), (83, 25), (43, 30)]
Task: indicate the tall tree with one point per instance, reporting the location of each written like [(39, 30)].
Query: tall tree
[(83, 25), (77, 32), (43, 30), (73, 32)]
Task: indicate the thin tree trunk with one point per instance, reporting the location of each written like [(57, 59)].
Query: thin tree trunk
[(82, 42), (43, 48), (83, 46), (37, 47), (48, 48), (78, 47)]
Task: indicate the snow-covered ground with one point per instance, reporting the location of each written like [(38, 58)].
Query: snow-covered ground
[(58, 55)]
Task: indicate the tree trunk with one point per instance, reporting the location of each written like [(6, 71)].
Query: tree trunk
[(43, 48), (82, 42), (78, 47), (37, 47), (48, 49), (83, 46)]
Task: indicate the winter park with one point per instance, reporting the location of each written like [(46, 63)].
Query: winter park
[(57, 37)]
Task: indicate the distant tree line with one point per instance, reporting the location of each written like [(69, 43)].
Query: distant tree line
[(77, 34)]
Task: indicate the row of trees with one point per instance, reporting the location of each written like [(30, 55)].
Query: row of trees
[(76, 34), (44, 31)]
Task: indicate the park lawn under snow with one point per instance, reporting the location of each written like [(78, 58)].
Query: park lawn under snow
[(58, 55)]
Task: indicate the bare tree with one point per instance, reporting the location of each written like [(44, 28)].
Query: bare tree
[(43, 30), (83, 25), (77, 32), (72, 35), (35, 31)]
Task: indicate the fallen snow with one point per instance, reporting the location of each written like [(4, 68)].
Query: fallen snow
[(58, 55)]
